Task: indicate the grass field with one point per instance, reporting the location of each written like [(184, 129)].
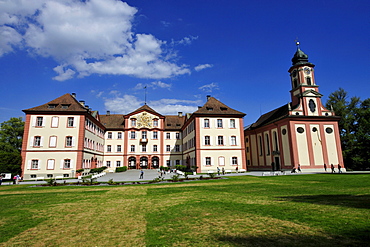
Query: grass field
[(302, 210)]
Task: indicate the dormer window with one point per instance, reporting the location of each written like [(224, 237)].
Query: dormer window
[(209, 108), (65, 106), (223, 108), (52, 106)]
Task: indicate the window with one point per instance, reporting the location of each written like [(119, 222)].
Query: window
[(67, 164), (54, 122), (177, 162), (234, 161), (66, 175), (132, 148), (119, 135), (69, 141), (33, 175), (39, 121), (208, 161), (65, 106), (34, 164), (143, 135), (260, 145), (206, 123), (220, 140), (168, 148), (108, 163), (155, 148), (207, 140), (51, 164), (49, 175), (37, 141), (143, 148), (109, 148), (232, 123), (276, 141), (233, 140), (221, 161), (177, 136), (133, 122), (118, 163), (109, 135), (155, 135), (70, 121), (177, 148), (219, 123), (132, 135), (168, 163), (308, 80), (155, 123), (168, 135), (119, 148), (267, 144)]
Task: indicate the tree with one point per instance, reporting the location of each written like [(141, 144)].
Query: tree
[(11, 136), (354, 127), (11, 133)]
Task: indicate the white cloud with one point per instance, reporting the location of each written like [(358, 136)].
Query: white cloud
[(129, 103), (209, 87), (85, 37), (185, 40), (153, 85), (203, 66)]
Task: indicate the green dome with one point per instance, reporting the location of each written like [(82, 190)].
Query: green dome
[(299, 57)]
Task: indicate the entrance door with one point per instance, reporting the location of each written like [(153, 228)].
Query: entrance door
[(277, 164)]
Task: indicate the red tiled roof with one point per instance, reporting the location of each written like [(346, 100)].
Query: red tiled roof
[(115, 121), (215, 107), (174, 122), (65, 103)]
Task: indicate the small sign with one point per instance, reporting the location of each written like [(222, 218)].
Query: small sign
[(6, 175)]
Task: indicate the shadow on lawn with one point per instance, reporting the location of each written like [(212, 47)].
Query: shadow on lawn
[(292, 240), (353, 201)]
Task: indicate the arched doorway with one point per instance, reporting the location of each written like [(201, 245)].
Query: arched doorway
[(132, 163), (144, 162), (155, 162)]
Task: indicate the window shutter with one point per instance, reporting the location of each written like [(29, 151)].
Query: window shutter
[(39, 165), (61, 164), (42, 141), (32, 139), (74, 122), (43, 121), (73, 141), (29, 164), (53, 141), (34, 118), (71, 164)]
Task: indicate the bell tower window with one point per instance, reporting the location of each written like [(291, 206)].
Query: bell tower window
[(308, 81)]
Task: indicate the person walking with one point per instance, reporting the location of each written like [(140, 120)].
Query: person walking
[(218, 170), (236, 169), (223, 171), (339, 168), (299, 168), (325, 167), (332, 168), (141, 174)]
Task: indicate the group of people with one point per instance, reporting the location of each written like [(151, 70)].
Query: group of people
[(333, 168)]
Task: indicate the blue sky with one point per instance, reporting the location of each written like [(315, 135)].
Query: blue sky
[(106, 51)]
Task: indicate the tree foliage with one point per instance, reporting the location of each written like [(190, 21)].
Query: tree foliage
[(11, 135), (354, 127)]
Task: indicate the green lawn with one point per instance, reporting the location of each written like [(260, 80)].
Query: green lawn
[(301, 210)]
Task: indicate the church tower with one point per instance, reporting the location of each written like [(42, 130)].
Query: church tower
[(306, 99)]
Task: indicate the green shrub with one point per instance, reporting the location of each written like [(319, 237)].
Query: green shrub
[(175, 178), (121, 169), (51, 182), (212, 175), (180, 168)]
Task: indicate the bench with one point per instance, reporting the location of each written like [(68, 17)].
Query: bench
[(40, 178)]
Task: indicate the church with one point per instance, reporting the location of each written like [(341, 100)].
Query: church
[(65, 135), (302, 133)]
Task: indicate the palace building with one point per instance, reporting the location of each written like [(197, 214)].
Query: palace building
[(65, 135), (302, 132)]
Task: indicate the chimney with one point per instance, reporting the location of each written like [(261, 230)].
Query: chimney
[(199, 107), (108, 113), (74, 95), (86, 106), (180, 114), (82, 102), (208, 96)]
